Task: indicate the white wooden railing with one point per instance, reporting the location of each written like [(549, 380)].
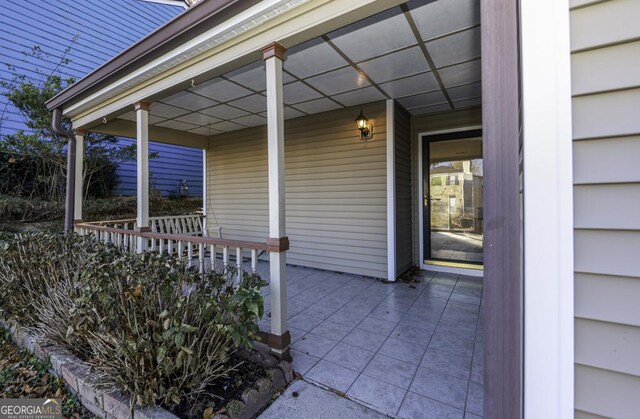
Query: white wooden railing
[(189, 247), (191, 225)]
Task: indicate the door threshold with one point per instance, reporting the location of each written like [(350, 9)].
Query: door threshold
[(453, 267)]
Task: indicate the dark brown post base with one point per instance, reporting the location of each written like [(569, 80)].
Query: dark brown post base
[(279, 345)]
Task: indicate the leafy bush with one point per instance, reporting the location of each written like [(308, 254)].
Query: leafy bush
[(147, 324), (33, 161)]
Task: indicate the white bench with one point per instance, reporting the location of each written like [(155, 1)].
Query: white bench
[(186, 225)]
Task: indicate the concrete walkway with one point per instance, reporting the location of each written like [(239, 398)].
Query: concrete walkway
[(312, 402)]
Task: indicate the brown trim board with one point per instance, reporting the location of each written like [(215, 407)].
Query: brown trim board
[(503, 281)]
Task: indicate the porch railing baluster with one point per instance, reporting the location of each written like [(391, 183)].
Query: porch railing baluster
[(122, 235)]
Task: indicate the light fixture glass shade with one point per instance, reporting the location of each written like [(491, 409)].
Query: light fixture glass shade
[(364, 126), (361, 121)]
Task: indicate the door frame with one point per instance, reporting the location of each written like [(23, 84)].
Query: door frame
[(420, 212), (420, 208)]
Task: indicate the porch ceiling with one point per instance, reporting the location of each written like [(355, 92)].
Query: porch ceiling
[(425, 54)]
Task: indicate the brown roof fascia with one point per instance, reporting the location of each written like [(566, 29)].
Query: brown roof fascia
[(187, 25)]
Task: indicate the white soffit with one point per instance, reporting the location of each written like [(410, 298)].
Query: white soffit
[(338, 81), (467, 91), (313, 57), (247, 20), (464, 73), (199, 119), (251, 120), (422, 100), (225, 112), (437, 18), (177, 125), (254, 103), (346, 68), (227, 126), (205, 131), (396, 65), (299, 92), (221, 90), (131, 116), (360, 96), (190, 101), (456, 48), (317, 106), (420, 83), (382, 33), (163, 110), (252, 76)]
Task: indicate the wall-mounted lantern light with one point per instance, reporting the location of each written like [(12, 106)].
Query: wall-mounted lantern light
[(366, 130)]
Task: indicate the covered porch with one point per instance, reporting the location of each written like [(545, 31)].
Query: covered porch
[(296, 192), (284, 160)]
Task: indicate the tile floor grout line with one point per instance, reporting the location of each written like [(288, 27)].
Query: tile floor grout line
[(425, 352), (418, 366), (473, 355), (381, 301)]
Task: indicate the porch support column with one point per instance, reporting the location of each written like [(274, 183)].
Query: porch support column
[(279, 338), (142, 155), (204, 192), (78, 187)]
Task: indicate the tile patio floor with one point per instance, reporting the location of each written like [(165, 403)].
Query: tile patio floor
[(406, 351)]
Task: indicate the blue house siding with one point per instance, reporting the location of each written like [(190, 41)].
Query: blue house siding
[(95, 31), (165, 172)]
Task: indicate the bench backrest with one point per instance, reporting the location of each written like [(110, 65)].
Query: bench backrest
[(186, 225)]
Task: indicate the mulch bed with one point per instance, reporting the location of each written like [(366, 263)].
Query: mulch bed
[(22, 375), (225, 390)]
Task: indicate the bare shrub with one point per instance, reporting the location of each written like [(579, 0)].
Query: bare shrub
[(148, 325)]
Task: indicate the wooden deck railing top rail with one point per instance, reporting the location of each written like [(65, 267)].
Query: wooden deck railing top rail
[(180, 238)]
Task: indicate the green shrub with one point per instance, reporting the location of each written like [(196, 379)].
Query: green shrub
[(146, 323)]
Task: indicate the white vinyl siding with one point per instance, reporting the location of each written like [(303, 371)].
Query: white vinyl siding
[(335, 187), (605, 41)]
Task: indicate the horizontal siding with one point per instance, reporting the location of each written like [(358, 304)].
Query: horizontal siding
[(429, 123), (335, 190), (606, 114), (606, 160), (171, 165), (595, 292), (607, 23), (607, 393), (607, 252), (606, 69), (608, 346), (607, 206), (579, 414), (605, 42), (404, 224)]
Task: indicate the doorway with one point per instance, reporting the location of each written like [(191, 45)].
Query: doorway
[(452, 199)]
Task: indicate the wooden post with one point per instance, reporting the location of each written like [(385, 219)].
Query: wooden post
[(78, 187), (279, 338), (142, 155)]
